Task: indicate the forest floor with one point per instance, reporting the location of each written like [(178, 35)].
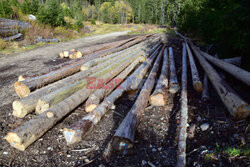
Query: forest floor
[(225, 143)]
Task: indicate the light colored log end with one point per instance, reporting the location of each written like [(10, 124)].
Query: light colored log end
[(121, 144), (66, 53), (142, 59), (70, 136), (77, 54), (21, 89), (90, 107), (72, 50), (243, 112), (15, 141), (21, 78), (50, 114), (61, 55), (173, 87), (41, 106), (198, 86), (157, 100), (83, 68), (18, 109)]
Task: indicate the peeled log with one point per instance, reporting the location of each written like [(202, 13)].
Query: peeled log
[(181, 153), (195, 74), (25, 87), (235, 105), (78, 130), (107, 73), (124, 136), (173, 82), (158, 97), (237, 72)]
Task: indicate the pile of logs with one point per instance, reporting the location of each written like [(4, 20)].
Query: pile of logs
[(101, 75)]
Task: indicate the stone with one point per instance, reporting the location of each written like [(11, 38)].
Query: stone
[(204, 126)]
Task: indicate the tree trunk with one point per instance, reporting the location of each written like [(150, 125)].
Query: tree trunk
[(78, 130), (173, 82), (181, 153), (195, 74), (109, 72), (124, 136), (25, 87), (237, 72), (235, 105), (159, 96)]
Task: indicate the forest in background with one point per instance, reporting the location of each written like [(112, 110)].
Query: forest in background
[(224, 23)]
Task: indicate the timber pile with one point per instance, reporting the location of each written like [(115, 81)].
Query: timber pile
[(104, 73)]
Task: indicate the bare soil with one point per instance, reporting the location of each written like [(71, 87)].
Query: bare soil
[(156, 137)]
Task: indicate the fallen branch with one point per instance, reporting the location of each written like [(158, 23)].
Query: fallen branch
[(173, 82)]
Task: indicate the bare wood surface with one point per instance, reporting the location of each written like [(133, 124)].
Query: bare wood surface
[(173, 81)]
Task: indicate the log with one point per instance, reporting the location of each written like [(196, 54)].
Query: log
[(181, 153), (28, 104), (235, 71), (195, 74), (235, 61), (14, 37), (124, 135), (47, 40), (79, 129), (75, 55), (25, 87), (95, 99), (109, 72), (205, 94), (159, 97), (235, 105), (173, 82)]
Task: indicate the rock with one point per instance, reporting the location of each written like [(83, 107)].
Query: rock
[(68, 156), (32, 17), (5, 153), (143, 162), (204, 126), (154, 150)]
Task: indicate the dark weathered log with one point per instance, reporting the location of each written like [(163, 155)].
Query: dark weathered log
[(159, 96), (173, 82), (235, 105), (124, 135), (237, 72), (109, 72), (181, 153), (78, 130), (195, 74), (14, 37), (25, 87)]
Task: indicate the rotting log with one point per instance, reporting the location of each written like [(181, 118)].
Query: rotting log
[(125, 133), (173, 81), (95, 99), (235, 71), (79, 129), (24, 88), (235, 105), (28, 104), (158, 97), (109, 72), (181, 153), (195, 74)]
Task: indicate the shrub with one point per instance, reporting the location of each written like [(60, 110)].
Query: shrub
[(3, 44), (5, 9), (51, 13)]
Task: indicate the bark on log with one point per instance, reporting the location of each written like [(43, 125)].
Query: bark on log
[(95, 99), (109, 72), (25, 87), (124, 136), (159, 96), (235, 105), (237, 72), (195, 74), (181, 153), (78, 130), (173, 82)]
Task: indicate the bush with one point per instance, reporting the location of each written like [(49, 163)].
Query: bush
[(51, 13), (3, 44)]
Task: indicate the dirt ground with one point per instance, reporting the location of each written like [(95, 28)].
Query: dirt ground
[(156, 136)]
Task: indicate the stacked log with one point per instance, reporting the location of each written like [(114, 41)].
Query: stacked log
[(173, 81)]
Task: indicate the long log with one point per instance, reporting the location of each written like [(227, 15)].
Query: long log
[(195, 74), (53, 98), (235, 61), (95, 99), (24, 88), (158, 97), (235, 105), (124, 135), (30, 131), (173, 81), (78, 130), (181, 153), (27, 104), (237, 72)]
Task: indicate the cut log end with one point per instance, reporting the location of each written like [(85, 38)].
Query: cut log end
[(66, 53), (83, 68), (198, 87), (15, 141), (21, 89), (243, 112), (90, 107), (50, 114), (61, 55), (173, 87), (157, 100), (18, 109), (70, 136), (21, 78), (121, 144), (41, 107)]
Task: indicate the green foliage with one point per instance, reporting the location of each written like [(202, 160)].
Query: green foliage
[(30, 6), (92, 21), (51, 13), (232, 151)]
